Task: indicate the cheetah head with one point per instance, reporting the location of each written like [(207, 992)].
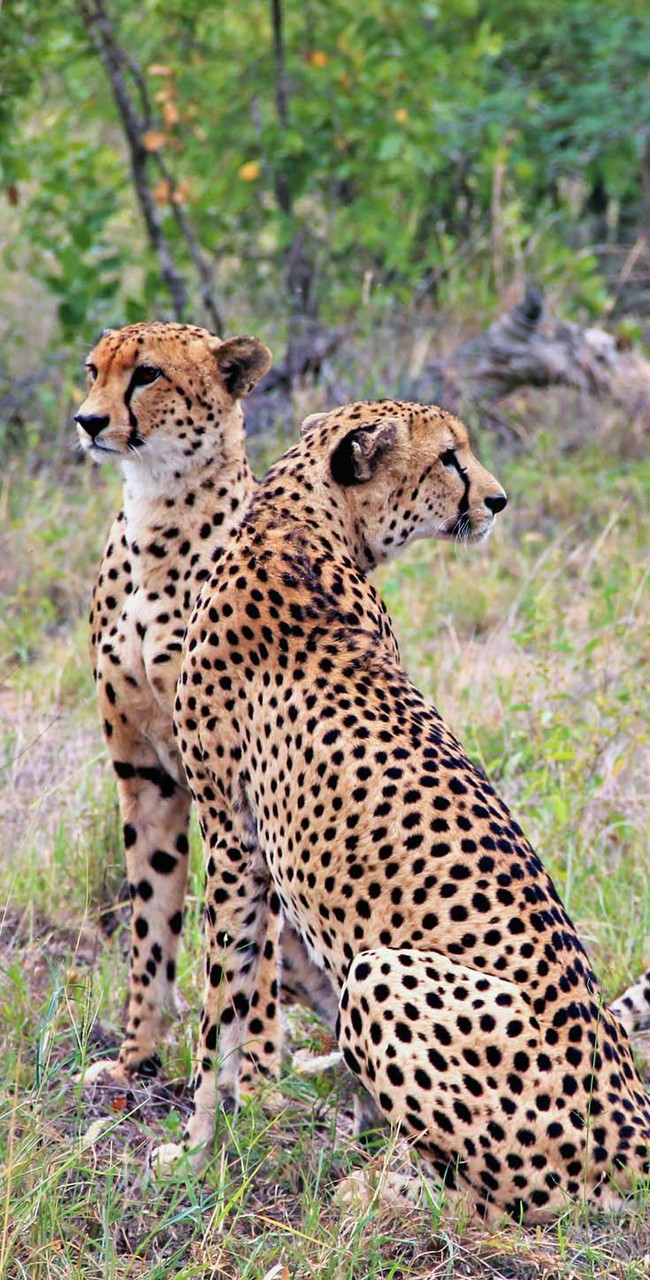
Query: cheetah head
[(158, 393), (405, 471)]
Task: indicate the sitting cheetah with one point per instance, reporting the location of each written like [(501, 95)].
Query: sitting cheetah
[(163, 399), (467, 1004), (633, 1008)]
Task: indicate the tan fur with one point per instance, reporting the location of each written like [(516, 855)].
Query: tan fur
[(467, 1004)]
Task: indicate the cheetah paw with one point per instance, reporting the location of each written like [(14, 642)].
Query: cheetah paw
[(269, 1096), (173, 1157), (388, 1190), (165, 1158), (107, 1070)]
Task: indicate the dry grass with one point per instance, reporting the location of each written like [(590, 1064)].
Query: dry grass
[(536, 650)]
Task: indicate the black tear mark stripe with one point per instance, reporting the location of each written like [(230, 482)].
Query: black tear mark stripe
[(463, 505), (135, 438)]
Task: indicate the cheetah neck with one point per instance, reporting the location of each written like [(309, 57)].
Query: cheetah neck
[(193, 507), (313, 514)]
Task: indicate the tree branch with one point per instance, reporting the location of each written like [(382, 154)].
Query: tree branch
[(101, 33), (135, 123), (203, 269), (527, 347), (282, 189)]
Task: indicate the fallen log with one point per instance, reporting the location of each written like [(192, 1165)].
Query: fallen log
[(526, 347)]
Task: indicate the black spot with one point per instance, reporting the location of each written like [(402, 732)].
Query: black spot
[(163, 862)]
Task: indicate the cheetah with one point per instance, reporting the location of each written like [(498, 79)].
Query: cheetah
[(632, 1008), (164, 400), (467, 1005)]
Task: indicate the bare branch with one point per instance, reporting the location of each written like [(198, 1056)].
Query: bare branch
[(101, 33), (118, 64), (282, 189), (203, 269), (527, 347)]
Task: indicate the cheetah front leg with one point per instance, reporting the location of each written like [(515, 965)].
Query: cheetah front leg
[(155, 814), (239, 926), (260, 1059)]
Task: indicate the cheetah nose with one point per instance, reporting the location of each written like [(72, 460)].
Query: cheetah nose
[(92, 423), (495, 502)]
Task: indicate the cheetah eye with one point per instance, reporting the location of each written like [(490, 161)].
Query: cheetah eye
[(92, 372), (144, 375), (449, 459)]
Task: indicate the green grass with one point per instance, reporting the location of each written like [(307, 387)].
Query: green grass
[(535, 648)]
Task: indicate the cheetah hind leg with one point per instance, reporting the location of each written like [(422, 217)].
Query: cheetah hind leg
[(459, 1061)]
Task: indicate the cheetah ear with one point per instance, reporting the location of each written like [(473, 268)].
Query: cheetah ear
[(312, 420), (358, 455), (241, 363)]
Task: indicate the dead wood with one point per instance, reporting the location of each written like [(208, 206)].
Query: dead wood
[(527, 347)]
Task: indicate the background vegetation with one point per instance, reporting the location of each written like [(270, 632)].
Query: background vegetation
[(394, 171), (333, 155)]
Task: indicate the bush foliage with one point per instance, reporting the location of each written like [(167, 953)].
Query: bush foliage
[(321, 152)]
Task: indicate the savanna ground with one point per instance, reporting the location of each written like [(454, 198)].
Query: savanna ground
[(535, 648)]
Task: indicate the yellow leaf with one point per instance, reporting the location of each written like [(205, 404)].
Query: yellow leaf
[(162, 191), (171, 114), (250, 171), (181, 192), (318, 58), (93, 1133), (159, 69), (401, 115), (153, 140)]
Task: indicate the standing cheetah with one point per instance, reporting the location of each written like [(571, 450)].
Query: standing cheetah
[(467, 1005), (164, 400)]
